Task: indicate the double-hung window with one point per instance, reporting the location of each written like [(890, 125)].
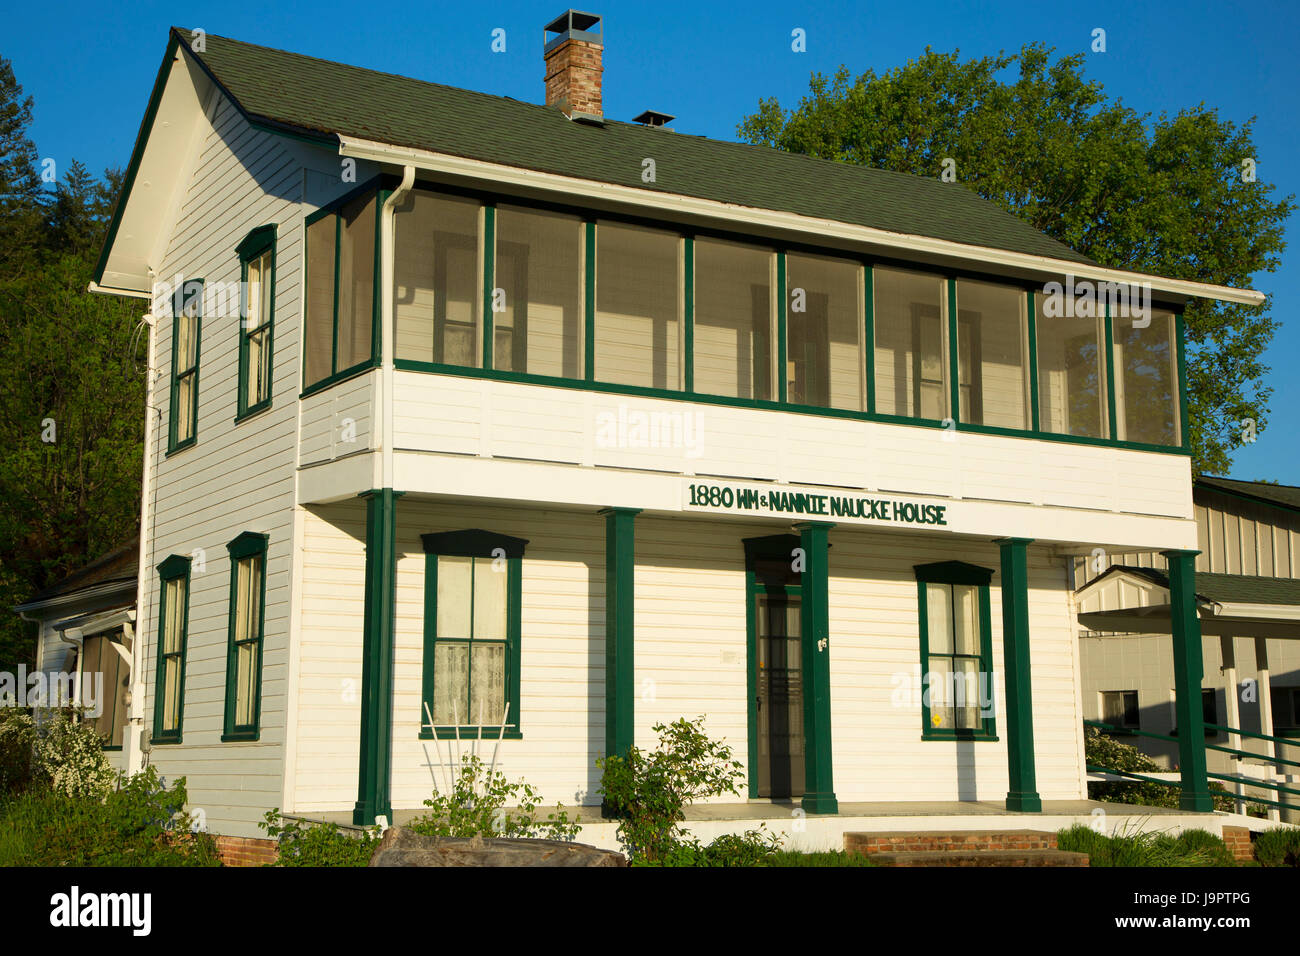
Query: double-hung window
[(244, 650), (187, 315), (956, 651), (256, 318), (472, 591), (173, 618)]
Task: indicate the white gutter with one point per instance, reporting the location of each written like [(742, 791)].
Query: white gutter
[(132, 734), (106, 290), (387, 348), (572, 186)]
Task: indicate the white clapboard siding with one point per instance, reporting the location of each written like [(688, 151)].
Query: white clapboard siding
[(451, 414), (338, 421), (690, 656), (236, 477)]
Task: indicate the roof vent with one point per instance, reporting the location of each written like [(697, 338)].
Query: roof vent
[(654, 118), (573, 65)]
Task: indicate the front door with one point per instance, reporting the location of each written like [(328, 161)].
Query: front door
[(779, 699)]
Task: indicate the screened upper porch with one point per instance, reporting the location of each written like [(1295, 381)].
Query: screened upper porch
[(557, 296)]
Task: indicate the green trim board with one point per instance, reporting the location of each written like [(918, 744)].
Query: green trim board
[(375, 762), (488, 548), (589, 301), (1112, 415), (956, 573), (1185, 624), (256, 244), (954, 355), (174, 568), (1031, 324), (819, 785), (688, 310), (782, 327), (1022, 794), (489, 232), (1181, 393), (189, 297), (869, 332), (250, 546)]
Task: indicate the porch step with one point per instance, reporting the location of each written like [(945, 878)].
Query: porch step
[(981, 858), (949, 841)]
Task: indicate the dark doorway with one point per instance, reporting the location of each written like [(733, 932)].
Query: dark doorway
[(779, 690)]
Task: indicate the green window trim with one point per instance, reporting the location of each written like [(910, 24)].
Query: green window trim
[(485, 545), (190, 293), (959, 573), (175, 567), (381, 189), (254, 246), (248, 545)]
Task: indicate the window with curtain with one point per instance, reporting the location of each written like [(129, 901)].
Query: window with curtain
[(956, 651), (342, 250), (187, 316), (538, 267), (910, 318), (437, 295), (472, 633), (825, 364), (638, 306), (244, 648), (173, 617), (1146, 380), (257, 271), (1119, 708), (992, 355), (734, 319), (1071, 372)]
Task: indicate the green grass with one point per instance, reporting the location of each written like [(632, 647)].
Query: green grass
[(819, 858), (1189, 848)]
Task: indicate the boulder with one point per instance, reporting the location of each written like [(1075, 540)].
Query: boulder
[(402, 847)]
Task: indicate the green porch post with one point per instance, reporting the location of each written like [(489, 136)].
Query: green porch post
[(377, 658), (1188, 671), (815, 651), (1022, 793), (620, 598)]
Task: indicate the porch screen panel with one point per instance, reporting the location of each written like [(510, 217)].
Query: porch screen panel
[(1071, 371), (319, 330), (734, 319), (824, 360), (992, 355), (1147, 379), (638, 306), (437, 295), (911, 330), (539, 269), (356, 282)]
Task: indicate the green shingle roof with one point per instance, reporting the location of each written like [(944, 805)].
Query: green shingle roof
[(1287, 496), (323, 98)]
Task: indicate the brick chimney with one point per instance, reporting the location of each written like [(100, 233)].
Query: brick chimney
[(573, 65)]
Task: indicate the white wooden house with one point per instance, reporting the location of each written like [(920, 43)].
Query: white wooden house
[(564, 426)]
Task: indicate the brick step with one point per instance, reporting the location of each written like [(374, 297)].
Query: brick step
[(920, 841), (981, 858)]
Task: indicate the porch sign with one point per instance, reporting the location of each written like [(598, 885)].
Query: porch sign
[(839, 507)]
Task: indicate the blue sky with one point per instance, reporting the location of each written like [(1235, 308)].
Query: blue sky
[(90, 67)]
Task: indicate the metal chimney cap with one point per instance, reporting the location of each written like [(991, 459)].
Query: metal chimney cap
[(572, 20), (654, 118)]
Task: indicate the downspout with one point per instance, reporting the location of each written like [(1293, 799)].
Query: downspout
[(133, 736), (387, 270)]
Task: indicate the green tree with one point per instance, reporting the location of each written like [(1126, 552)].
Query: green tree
[(72, 382), (1163, 195)]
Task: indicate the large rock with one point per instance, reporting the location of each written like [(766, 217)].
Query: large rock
[(402, 847)]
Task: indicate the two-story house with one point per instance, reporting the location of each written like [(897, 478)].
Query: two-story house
[(476, 416)]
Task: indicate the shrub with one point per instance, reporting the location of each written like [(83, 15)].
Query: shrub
[(301, 843), (818, 858), (648, 791), (1278, 847), (52, 749), (483, 803), (1102, 751), (17, 743), (1191, 848), (142, 823)]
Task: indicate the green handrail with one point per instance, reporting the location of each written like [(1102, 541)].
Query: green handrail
[(1126, 731), (1248, 733)]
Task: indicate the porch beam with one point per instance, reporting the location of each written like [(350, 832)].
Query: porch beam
[(1188, 672), (819, 784), (374, 776), (1022, 793)]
